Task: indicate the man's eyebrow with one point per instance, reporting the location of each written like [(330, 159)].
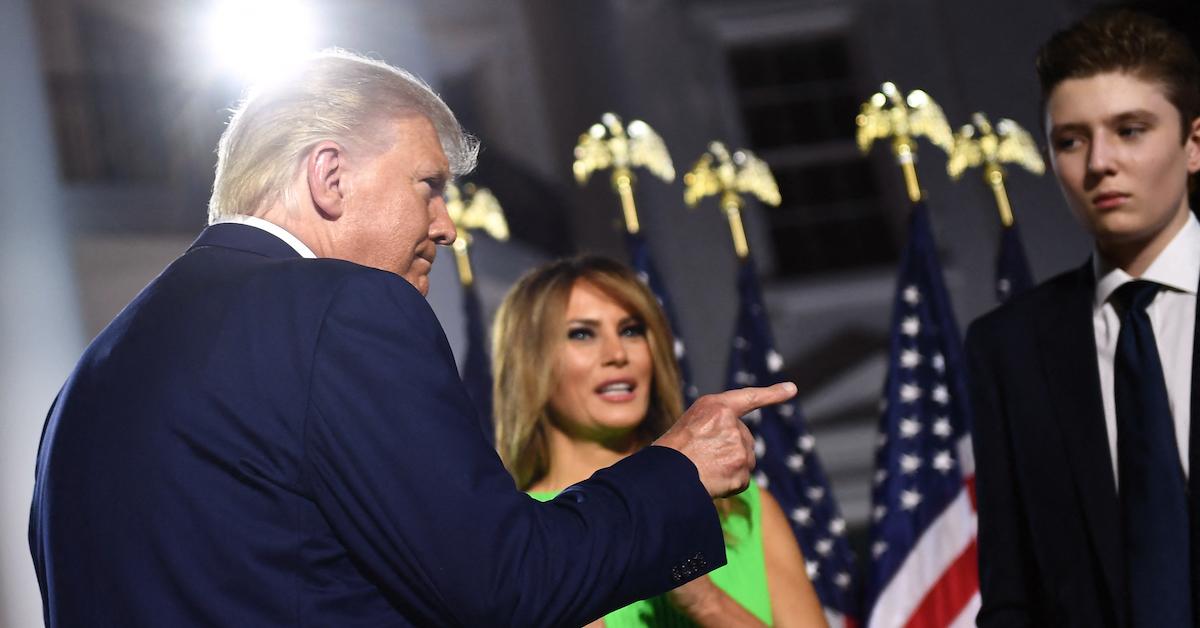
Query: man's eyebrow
[(436, 178), (1135, 114), (1069, 126), (1115, 119), (436, 174)]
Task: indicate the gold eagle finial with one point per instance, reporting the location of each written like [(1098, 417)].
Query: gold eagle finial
[(610, 144), (980, 144), (473, 209), (719, 173), (887, 114)]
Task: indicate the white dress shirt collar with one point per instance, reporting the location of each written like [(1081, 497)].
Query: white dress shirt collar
[(272, 229), (1177, 267)]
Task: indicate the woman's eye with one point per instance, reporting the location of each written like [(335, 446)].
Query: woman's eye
[(633, 330), (579, 333)]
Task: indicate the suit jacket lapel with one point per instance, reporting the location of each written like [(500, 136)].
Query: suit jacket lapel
[(1071, 369)]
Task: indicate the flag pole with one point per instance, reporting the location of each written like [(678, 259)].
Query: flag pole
[(475, 209), (979, 144), (906, 155), (731, 205), (994, 175), (787, 460), (622, 180), (923, 463), (463, 261)]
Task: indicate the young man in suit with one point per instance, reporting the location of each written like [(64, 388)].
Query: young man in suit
[(273, 433), (1084, 388)]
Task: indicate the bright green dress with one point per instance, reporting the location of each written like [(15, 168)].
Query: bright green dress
[(744, 576)]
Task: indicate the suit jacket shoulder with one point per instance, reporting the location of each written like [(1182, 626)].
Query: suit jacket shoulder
[(1020, 315)]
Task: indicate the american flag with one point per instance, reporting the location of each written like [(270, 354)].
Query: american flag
[(1012, 269), (788, 465), (923, 569), (477, 368), (643, 265)]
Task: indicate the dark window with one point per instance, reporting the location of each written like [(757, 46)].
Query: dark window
[(798, 102)]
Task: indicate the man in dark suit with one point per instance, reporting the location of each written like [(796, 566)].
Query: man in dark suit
[(1085, 387), (264, 439)]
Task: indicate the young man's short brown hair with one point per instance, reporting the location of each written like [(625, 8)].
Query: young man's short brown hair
[(1121, 39)]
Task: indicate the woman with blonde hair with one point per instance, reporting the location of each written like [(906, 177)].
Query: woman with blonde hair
[(585, 375)]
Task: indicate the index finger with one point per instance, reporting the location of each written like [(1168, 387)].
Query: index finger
[(745, 400)]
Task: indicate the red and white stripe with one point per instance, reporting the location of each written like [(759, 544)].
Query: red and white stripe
[(937, 585)]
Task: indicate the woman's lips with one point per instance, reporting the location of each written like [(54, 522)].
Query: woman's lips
[(617, 390)]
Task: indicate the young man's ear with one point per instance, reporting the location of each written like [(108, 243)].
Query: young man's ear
[(324, 170), (1192, 146)]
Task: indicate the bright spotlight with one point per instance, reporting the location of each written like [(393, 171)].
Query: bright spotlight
[(257, 39)]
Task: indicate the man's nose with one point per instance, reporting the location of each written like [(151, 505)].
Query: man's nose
[(1101, 159), (441, 228)]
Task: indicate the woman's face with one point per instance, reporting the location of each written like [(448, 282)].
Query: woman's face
[(603, 370)]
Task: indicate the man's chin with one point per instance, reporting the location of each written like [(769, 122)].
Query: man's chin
[(420, 282)]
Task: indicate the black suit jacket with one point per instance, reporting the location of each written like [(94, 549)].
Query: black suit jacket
[(263, 440), (1049, 520)]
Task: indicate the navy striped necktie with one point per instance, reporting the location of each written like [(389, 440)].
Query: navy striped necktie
[(1153, 489)]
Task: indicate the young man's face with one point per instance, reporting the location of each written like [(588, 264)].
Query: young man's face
[(1116, 148)]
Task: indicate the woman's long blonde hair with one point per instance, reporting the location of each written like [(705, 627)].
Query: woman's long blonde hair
[(529, 329)]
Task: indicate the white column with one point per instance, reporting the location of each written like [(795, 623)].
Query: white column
[(40, 335)]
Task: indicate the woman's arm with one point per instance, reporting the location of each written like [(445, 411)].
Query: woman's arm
[(710, 607), (793, 600)]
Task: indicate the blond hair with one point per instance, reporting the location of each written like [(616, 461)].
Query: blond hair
[(530, 327), (333, 95)]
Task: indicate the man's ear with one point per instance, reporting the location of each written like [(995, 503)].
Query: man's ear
[(1192, 147), (324, 170)]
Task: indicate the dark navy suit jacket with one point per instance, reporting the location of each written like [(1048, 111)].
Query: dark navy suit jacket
[(262, 440), (1050, 551)]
